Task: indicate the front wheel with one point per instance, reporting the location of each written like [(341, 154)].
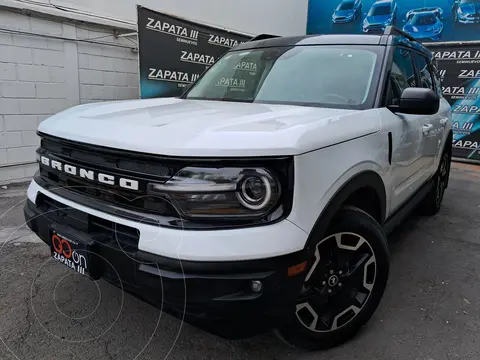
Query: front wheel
[(345, 280), (455, 16)]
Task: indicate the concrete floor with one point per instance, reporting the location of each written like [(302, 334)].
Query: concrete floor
[(430, 311)]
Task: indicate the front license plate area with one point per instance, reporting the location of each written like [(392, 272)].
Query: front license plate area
[(74, 253)]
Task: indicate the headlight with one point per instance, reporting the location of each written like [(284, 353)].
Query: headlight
[(222, 193), (257, 191)]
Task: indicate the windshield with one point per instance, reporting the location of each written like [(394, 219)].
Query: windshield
[(379, 10), (469, 1), (329, 76), (423, 19), (345, 6)]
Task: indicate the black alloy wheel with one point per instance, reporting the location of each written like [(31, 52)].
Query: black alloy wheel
[(344, 283), (338, 283), (442, 179), (432, 202)]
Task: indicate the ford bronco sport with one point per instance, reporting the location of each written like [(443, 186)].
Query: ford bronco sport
[(261, 198)]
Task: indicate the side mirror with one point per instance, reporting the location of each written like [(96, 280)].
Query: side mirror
[(417, 101)]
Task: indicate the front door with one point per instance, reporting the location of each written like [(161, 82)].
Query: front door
[(408, 171)]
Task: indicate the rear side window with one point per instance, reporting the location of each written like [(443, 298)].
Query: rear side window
[(424, 75), (436, 77)]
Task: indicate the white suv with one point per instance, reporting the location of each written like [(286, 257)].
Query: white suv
[(261, 198)]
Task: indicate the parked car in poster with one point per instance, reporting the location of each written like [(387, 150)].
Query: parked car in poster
[(466, 11), (438, 11), (376, 14), (381, 14), (425, 25), (347, 11)]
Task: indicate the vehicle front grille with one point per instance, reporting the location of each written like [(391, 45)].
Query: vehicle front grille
[(142, 168), (109, 159)]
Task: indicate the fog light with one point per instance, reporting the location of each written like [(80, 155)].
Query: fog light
[(257, 286)]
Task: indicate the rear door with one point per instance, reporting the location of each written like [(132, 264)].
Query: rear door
[(432, 125)]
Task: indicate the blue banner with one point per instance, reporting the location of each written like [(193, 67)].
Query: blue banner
[(426, 20)]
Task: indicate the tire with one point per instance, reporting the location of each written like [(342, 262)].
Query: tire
[(344, 299), (455, 16), (432, 202)]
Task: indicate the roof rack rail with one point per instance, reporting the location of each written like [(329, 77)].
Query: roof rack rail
[(392, 30), (263, 37)]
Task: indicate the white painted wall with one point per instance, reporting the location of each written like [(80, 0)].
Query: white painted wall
[(47, 65), (281, 17)]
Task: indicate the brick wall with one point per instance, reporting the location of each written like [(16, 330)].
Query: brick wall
[(40, 76)]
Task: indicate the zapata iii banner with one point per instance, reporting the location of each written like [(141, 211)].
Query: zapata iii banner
[(175, 52), (425, 20), (459, 68)]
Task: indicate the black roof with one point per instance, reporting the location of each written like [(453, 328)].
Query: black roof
[(391, 36), (313, 40)]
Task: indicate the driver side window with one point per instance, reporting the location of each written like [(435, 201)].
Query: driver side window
[(402, 75)]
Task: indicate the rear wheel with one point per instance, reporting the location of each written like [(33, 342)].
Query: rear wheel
[(345, 281), (431, 204)]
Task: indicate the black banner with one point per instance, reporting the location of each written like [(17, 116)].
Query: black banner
[(459, 68), (175, 52)]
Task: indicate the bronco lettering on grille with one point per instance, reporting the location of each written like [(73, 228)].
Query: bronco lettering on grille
[(90, 174)]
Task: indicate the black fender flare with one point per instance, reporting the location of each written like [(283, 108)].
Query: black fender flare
[(448, 147), (449, 142), (361, 180)]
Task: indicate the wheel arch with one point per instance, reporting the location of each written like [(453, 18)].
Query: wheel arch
[(448, 147), (365, 181)]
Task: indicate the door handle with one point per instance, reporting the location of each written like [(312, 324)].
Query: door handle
[(426, 128), (443, 121)]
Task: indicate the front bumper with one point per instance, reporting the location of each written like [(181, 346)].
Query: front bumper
[(427, 37), (374, 28), (465, 20), (215, 296), (343, 20)]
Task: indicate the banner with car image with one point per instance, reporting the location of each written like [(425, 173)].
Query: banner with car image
[(459, 69), (426, 20), (174, 52)]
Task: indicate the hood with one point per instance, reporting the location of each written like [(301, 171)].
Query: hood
[(470, 8), (423, 29), (176, 127), (378, 19), (343, 13)]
